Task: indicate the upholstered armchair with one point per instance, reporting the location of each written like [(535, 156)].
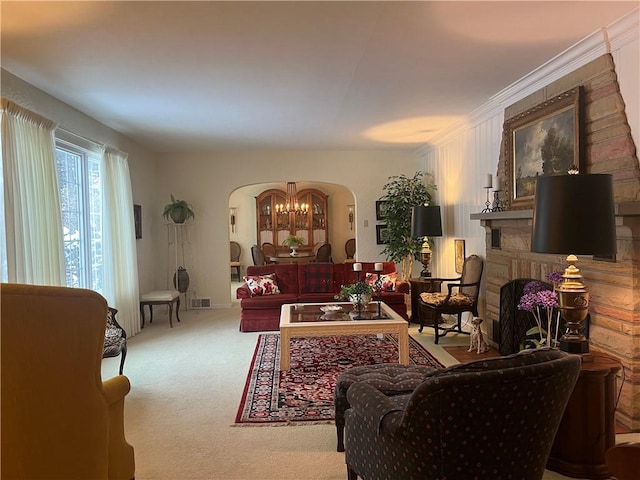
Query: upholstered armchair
[(461, 296), (494, 418), (60, 421)]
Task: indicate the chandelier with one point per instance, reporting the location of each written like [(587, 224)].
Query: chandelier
[(292, 205)]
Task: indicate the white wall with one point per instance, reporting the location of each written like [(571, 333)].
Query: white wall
[(208, 180), (141, 161), (461, 157)]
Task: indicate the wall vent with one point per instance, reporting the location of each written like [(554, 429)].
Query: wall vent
[(204, 302)]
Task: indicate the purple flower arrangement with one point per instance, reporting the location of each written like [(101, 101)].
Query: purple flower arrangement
[(541, 302)]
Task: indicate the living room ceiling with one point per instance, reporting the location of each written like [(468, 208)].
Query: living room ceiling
[(207, 76)]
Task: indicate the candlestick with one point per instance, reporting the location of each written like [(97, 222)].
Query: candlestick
[(377, 267), (357, 267), (487, 204)]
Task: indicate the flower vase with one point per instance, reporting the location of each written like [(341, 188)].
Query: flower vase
[(294, 251)]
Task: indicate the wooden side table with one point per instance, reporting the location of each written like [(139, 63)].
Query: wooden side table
[(420, 285), (587, 428)]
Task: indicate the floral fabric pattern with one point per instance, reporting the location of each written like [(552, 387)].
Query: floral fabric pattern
[(260, 285), (387, 281)]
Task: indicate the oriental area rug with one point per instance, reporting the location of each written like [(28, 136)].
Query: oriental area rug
[(304, 394)]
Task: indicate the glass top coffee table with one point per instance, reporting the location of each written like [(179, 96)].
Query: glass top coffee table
[(322, 319)]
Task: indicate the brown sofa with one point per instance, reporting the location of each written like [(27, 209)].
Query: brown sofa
[(300, 283)]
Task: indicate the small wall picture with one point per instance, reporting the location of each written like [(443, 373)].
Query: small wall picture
[(459, 252), (137, 220), (381, 213), (381, 234)]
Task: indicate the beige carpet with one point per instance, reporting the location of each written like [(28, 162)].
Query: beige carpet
[(186, 387)]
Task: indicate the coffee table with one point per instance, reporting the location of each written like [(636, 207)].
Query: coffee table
[(309, 320)]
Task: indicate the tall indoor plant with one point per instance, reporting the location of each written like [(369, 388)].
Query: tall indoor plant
[(402, 193)]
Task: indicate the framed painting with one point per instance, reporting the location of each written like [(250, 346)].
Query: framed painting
[(137, 220), (459, 253), (381, 213), (545, 140), (381, 231)]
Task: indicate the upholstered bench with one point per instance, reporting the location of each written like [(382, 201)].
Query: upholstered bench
[(389, 378), (160, 297)]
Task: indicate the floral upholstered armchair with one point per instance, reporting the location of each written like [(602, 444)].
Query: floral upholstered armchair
[(494, 418), (115, 339)]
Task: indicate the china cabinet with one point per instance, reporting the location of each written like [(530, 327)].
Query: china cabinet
[(311, 224)]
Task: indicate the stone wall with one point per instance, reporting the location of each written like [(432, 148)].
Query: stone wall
[(614, 285)]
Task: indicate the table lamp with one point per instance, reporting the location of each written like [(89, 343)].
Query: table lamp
[(574, 215), (426, 222)]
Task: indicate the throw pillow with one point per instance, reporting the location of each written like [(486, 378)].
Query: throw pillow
[(387, 281), (262, 284), (320, 277)]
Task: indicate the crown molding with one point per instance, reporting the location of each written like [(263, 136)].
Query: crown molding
[(600, 42)]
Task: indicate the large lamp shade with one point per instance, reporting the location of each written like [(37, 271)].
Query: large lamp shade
[(574, 214), (426, 221)]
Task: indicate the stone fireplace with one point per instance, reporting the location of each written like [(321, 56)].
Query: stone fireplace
[(614, 283)]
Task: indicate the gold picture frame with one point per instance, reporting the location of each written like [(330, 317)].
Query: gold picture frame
[(544, 140)]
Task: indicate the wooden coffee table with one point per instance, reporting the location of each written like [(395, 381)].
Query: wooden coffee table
[(308, 320)]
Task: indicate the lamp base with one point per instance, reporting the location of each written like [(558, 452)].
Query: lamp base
[(574, 346)]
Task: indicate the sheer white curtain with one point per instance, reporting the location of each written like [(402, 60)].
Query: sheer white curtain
[(121, 264), (33, 225)]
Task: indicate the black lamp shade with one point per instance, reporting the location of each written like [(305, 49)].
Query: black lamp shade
[(426, 221), (574, 214)]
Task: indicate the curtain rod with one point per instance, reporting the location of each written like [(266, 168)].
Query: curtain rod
[(69, 132)]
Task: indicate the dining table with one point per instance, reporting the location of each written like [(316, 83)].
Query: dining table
[(301, 257)]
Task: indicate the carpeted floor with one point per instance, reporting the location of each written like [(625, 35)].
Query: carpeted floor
[(186, 384), (305, 392)]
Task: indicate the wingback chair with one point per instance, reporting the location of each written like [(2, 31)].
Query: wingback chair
[(60, 421), (454, 302), (494, 418)]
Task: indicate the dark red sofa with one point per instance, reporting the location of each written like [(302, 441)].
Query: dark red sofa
[(262, 313)]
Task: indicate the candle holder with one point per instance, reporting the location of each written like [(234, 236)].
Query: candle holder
[(378, 292), (497, 203), (487, 204)]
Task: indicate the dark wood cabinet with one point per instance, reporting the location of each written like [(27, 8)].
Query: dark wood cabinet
[(587, 429), (418, 286)]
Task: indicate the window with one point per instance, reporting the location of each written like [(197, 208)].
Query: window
[(81, 205)]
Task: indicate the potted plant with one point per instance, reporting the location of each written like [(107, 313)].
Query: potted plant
[(293, 242), (402, 193), (357, 293), (178, 210)]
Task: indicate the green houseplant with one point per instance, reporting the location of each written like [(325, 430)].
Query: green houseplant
[(178, 210), (293, 241), (402, 193), (357, 293)]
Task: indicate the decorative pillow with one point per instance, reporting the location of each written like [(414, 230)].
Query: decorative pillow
[(387, 281), (320, 277), (262, 284)]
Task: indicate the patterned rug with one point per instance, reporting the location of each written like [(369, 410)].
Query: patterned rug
[(305, 393)]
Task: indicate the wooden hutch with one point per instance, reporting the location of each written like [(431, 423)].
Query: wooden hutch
[(274, 227)]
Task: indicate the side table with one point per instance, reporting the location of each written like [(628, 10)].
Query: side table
[(587, 428), (420, 285)]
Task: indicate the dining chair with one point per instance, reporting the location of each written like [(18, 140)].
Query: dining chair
[(269, 250), (258, 255), (350, 249), (235, 251)]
